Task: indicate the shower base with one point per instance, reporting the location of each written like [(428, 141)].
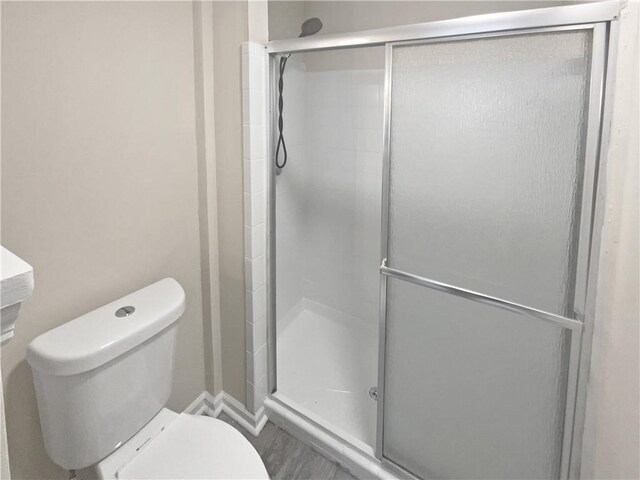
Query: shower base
[(327, 362)]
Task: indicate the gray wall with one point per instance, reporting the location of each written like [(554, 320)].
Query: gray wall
[(611, 437), (230, 29), (99, 179)]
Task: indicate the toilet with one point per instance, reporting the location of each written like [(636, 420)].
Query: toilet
[(102, 382)]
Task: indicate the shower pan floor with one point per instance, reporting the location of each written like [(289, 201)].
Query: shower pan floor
[(327, 362)]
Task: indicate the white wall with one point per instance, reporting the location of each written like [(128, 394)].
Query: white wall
[(611, 443), (285, 17), (99, 179), (328, 195), (290, 190)]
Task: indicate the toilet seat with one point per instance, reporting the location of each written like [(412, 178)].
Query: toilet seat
[(196, 447)]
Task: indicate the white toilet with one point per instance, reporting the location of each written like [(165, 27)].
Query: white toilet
[(102, 382)]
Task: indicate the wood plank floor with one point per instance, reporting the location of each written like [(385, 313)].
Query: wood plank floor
[(287, 458)]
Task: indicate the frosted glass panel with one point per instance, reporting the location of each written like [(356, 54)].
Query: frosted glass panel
[(471, 391), (487, 140)]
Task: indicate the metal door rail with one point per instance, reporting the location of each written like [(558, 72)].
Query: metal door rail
[(481, 298), (492, 22)]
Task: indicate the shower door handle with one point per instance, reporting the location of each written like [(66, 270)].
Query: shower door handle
[(485, 299)]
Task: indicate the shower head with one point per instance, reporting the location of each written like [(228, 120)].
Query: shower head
[(310, 26)]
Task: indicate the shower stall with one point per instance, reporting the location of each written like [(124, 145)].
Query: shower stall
[(433, 240), (328, 237)]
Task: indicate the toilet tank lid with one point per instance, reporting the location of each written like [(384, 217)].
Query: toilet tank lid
[(99, 336)]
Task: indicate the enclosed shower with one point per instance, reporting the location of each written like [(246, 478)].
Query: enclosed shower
[(433, 240), (328, 237)]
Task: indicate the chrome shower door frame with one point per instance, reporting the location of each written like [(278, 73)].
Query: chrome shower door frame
[(601, 18)]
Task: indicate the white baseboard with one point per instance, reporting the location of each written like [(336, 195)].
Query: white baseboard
[(202, 405), (207, 404), (236, 410)]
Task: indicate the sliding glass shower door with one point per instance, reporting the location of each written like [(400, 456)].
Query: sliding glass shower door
[(488, 210)]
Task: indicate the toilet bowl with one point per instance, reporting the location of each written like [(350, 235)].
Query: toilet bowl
[(197, 447), (102, 382), (173, 446)]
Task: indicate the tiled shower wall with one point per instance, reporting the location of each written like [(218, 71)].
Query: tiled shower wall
[(329, 194), (292, 208)]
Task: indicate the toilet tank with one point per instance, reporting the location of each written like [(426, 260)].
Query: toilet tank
[(101, 377)]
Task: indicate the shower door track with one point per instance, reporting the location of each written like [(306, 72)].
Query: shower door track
[(601, 18), (488, 23)]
